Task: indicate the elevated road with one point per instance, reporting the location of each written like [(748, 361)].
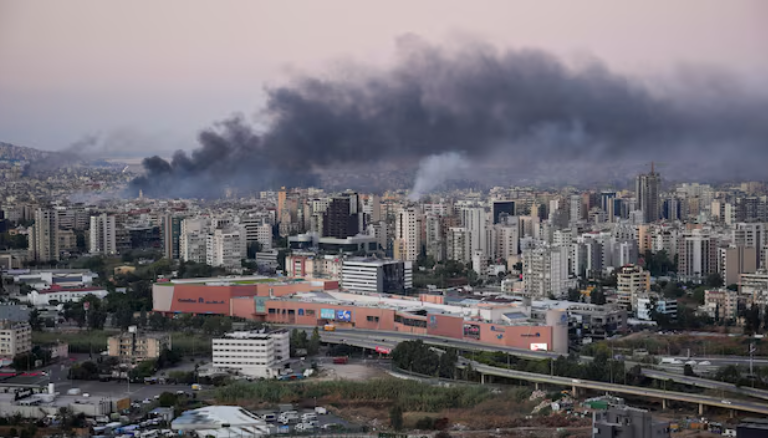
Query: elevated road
[(374, 336), (362, 340), (706, 383), (701, 400)]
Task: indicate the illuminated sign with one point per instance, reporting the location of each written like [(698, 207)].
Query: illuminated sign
[(343, 315), (497, 329), (531, 335), (432, 321), (538, 347), (199, 301), (383, 350), (327, 314), (472, 331)]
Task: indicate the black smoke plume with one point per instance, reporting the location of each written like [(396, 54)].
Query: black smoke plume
[(522, 107)]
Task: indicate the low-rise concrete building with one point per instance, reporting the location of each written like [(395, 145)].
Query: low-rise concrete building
[(15, 338), (255, 353), (134, 347), (627, 423)]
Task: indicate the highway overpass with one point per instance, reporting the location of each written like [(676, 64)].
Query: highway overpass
[(706, 383), (365, 341), (701, 400)]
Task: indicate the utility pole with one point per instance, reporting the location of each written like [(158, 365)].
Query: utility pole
[(751, 357)]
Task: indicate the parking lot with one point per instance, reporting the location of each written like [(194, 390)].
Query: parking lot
[(323, 421), (138, 391)]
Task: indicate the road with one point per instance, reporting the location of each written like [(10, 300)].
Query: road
[(380, 338), (706, 383), (755, 407), (371, 340)]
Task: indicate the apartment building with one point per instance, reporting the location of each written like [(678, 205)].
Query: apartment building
[(254, 354), (632, 281), (133, 346), (722, 303), (15, 338), (377, 276)]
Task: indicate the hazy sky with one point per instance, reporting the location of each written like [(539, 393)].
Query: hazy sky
[(150, 74)]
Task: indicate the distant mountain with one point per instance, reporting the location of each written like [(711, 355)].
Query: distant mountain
[(12, 153)]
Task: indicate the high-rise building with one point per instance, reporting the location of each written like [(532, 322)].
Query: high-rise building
[(342, 217), (458, 245), (696, 254), (507, 240), (433, 237), (499, 207), (170, 230), (751, 235), (475, 220), (647, 192), (102, 235), (407, 234), (545, 272), (193, 240), (43, 237), (226, 248)]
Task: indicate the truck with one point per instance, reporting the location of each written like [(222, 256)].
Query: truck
[(329, 328), (341, 360)]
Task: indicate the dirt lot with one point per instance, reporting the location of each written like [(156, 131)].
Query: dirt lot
[(349, 371)]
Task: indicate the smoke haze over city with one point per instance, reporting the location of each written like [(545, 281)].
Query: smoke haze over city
[(526, 107)]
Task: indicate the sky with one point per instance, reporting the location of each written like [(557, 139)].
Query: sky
[(147, 76)]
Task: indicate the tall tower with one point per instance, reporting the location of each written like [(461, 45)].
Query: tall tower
[(647, 191), (44, 239)]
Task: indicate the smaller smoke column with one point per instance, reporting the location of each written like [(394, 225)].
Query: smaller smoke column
[(435, 170)]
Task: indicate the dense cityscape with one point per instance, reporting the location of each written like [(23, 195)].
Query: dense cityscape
[(421, 219)]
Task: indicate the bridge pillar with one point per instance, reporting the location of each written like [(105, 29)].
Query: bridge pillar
[(573, 391), (663, 404), (482, 379), (536, 386), (731, 413), (701, 408)]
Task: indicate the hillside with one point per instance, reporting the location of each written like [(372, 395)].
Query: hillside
[(13, 153)]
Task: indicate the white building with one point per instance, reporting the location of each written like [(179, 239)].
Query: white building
[(61, 295), (407, 234), (15, 338), (507, 241), (102, 235), (664, 306), (377, 276), (545, 271), (264, 236), (475, 221), (459, 245), (193, 240), (434, 242), (255, 354), (226, 248)]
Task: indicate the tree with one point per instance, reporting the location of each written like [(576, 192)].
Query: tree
[(167, 400), (313, 347), (597, 297), (123, 317), (574, 295), (714, 280), (157, 322), (35, 322), (688, 371), (396, 417)]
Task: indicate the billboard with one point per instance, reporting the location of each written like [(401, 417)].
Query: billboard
[(383, 350), (538, 347), (472, 331), (344, 315), (327, 314)]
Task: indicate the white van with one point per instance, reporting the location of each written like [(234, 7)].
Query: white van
[(310, 416), (288, 417)]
